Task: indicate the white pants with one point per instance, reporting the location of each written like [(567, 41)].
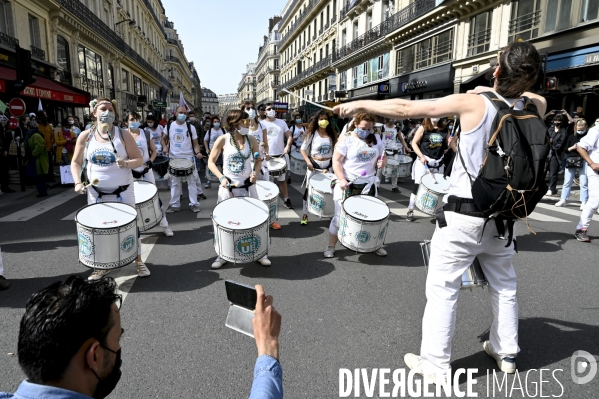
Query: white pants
[(593, 202), (453, 249), (393, 178), (194, 186), (149, 177)]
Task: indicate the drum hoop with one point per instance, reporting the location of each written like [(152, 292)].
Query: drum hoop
[(311, 188), (113, 265), (362, 220), (150, 200), (248, 228), (103, 228)]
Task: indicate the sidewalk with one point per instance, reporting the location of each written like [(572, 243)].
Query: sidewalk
[(6, 198)]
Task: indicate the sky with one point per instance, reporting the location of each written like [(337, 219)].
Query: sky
[(222, 36)]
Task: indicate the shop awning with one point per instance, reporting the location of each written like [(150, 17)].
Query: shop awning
[(573, 59), (47, 89)]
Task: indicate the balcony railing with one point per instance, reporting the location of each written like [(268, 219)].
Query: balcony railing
[(38, 53), (149, 7), (479, 42), (370, 36), (525, 27), (81, 12), (294, 27), (8, 41), (349, 4), (319, 66)]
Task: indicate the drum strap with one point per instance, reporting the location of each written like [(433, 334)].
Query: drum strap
[(116, 192)]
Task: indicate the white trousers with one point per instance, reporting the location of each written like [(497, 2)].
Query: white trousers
[(194, 186), (453, 249), (149, 177), (593, 202)]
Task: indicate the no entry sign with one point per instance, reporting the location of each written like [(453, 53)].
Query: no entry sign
[(17, 107)]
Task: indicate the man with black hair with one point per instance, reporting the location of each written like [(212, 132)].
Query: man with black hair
[(558, 133)]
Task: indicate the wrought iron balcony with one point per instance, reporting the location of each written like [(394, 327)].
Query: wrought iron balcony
[(293, 28), (319, 66), (349, 4), (38, 53), (149, 7), (525, 27), (8, 41)]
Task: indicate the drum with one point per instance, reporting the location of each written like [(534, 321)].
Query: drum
[(298, 163), (180, 167), (320, 195), (162, 183), (241, 232), (405, 166), (473, 276), (211, 176), (430, 193), (363, 223), (149, 212), (107, 235), (276, 167), (391, 169), (268, 193), (160, 165)]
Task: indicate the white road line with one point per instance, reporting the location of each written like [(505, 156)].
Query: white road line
[(401, 210), (125, 276), (541, 217), (563, 210), (71, 217), (39, 208)]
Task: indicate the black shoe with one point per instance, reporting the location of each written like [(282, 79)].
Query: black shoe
[(410, 216), (395, 190), (581, 235), (201, 196), (287, 204), (4, 284), (8, 190), (289, 180)]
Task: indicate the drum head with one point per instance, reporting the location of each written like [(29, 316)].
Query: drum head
[(106, 215), (392, 162), (275, 163), (144, 191), (322, 182), (404, 159), (441, 186), (240, 213), (180, 163), (297, 155), (266, 190), (365, 207)]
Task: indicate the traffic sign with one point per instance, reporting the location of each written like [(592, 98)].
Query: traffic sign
[(158, 104), (16, 107)]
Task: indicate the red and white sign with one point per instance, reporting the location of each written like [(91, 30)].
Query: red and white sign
[(32, 91), (16, 107)]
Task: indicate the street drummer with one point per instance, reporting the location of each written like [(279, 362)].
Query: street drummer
[(356, 156), (156, 131), (238, 149), (466, 234), (317, 150), (259, 133), (396, 145), (149, 153), (429, 144), (111, 154)]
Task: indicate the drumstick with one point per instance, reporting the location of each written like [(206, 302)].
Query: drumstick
[(362, 174), (429, 171)]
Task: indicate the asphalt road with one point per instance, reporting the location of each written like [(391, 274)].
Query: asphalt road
[(353, 311)]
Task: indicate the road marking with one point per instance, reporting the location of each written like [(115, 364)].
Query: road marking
[(71, 217), (39, 208), (541, 217), (401, 210), (125, 276), (563, 210)]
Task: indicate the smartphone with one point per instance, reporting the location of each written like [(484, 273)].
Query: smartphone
[(242, 300)]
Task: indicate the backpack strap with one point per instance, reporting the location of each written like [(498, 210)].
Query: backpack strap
[(497, 102)]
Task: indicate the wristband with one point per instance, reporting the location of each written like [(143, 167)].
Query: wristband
[(221, 178)]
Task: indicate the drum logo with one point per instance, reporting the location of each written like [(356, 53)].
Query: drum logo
[(362, 237), (85, 246), (236, 164), (272, 131), (178, 138), (103, 158), (342, 225), (316, 202), (248, 245), (128, 243), (436, 140), (366, 154), (324, 149), (428, 201)]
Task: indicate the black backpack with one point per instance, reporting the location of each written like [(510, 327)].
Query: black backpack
[(511, 181)]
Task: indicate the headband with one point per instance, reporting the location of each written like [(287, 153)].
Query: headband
[(94, 103)]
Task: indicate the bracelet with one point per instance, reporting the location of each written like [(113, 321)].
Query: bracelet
[(221, 178)]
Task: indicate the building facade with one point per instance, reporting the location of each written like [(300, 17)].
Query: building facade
[(268, 65), (246, 90), (227, 102), (209, 101)]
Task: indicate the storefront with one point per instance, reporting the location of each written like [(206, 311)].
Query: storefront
[(377, 91), (433, 82)]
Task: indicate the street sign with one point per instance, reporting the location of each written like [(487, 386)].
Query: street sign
[(16, 107), (158, 104)]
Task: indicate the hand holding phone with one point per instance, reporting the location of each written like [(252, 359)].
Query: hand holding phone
[(267, 325)]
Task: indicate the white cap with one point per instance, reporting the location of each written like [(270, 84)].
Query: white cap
[(32, 114)]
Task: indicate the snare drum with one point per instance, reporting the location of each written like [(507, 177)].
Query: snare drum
[(298, 163), (320, 195), (472, 277), (363, 223), (241, 229), (269, 194), (276, 166), (149, 212), (160, 165), (180, 167), (107, 235), (405, 166), (430, 193), (391, 169)]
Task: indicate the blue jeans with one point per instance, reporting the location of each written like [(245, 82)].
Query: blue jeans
[(569, 175)]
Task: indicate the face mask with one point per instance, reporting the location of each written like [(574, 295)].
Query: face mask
[(581, 131), (450, 128), (251, 113), (298, 121), (106, 117), (216, 124), (597, 123), (181, 117), (244, 131), (323, 123), (271, 114), (106, 386), (363, 133), (150, 124), (71, 122), (133, 125)]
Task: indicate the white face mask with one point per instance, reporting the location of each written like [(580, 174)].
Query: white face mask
[(271, 114), (251, 113), (243, 131)]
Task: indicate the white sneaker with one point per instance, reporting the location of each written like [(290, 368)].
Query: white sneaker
[(381, 252), (142, 269), (218, 263), (561, 202), (582, 206), (264, 261), (329, 252), (551, 193), (420, 366), (98, 274), (168, 232), (195, 208), (505, 364)]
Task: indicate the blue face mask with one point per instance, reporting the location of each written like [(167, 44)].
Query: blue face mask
[(298, 121), (181, 117), (363, 133), (133, 125), (216, 124)]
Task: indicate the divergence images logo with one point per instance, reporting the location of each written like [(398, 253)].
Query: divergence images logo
[(582, 362), (128, 243), (248, 245)]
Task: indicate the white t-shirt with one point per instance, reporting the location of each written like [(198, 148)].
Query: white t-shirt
[(390, 138), (590, 143), (358, 156), (214, 134), (180, 144), (321, 147), (155, 136), (276, 135), (299, 133), (144, 148)]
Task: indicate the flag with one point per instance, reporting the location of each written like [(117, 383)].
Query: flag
[(182, 102), (2, 107), (39, 105)]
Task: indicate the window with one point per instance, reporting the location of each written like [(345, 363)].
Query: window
[(354, 74), (34, 31), (63, 59), (427, 52), (423, 53), (365, 76), (380, 66), (6, 24), (589, 10), (524, 23), (111, 81), (480, 33), (405, 60), (558, 15), (125, 80), (343, 80), (443, 47), (343, 37), (355, 30), (369, 21), (90, 68), (136, 85)]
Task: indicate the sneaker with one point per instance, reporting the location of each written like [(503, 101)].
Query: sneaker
[(142, 269), (287, 204), (4, 284), (395, 190), (201, 196), (276, 226), (420, 366), (551, 193), (195, 208), (98, 274), (264, 261), (561, 202), (381, 252), (172, 209), (218, 263), (387, 180), (410, 216), (581, 235), (168, 232), (208, 184), (582, 206), (304, 220), (329, 252), (505, 364)]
